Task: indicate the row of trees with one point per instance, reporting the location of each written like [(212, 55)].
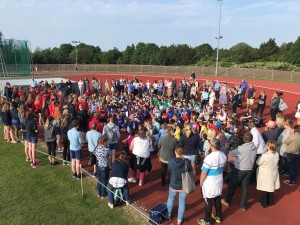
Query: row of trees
[(181, 54)]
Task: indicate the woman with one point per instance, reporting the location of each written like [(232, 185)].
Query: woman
[(292, 154), (38, 108), (57, 122), (32, 137), (166, 146), (65, 127), (211, 182), (176, 167), (212, 98), (103, 154), (23, 130), (15, 122), (140, 159), (50, 132), (261, 102), (118, 179), (223, 95), (6, 121), (80, 87), (274, 104), (267, 174)]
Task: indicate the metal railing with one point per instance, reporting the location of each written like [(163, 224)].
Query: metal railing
[(247, 73)]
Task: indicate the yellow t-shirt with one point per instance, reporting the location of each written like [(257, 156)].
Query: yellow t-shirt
[(177, 134), (203, 129)]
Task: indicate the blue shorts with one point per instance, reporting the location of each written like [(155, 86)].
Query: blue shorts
[(76, 154), (113, 146), (192, 158), (33, 140), (15, 123)]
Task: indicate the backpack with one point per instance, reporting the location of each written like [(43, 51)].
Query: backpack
[(158, 214), (111, 135)]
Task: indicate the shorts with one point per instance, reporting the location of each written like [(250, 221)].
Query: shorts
[(15, 123), (113, 146), (33, 140), (250, 101), (192, 158), (76, 154), (51, 148), (38, 111)]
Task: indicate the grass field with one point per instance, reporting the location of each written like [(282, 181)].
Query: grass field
[(49, 195)]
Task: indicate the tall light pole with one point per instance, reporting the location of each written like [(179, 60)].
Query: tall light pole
[(218, 38), (76, 43)]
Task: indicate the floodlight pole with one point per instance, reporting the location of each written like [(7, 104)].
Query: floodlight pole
[(218, 38), (76, 43)]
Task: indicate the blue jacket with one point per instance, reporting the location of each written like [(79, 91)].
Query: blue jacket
[(176, 167)]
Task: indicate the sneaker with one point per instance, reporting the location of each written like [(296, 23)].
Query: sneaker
[(78, 177), (132, 180), (27, 159), (35, 165), (94, 174), (110, 205), (64, 162), (74, 175), (141, 183), (223, 202), (289, 182), (216, 218), (202, 222)]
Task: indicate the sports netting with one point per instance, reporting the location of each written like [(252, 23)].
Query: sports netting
[(14, 57)]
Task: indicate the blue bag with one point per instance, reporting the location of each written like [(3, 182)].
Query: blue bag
[(158, 214)]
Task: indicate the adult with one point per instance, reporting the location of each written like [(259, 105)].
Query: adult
[(281, 147), (50, 132), (92, 138), (166, 146), (217, 87), (112, 132), (250, 96), (176, 167), (261, 102), (274, 104), (65, 127), (244, 87), (103, 154), (212, 98), (234, 100), (140, 159), (80, 87), (293, 154), (6, 122), (270, 133), (267, 174), (191, 144), (76, 141), (244, 160), (118, 179), (211, 182), (32, 137)]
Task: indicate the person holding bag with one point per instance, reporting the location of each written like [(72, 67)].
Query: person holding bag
[(211, 182), (177, 166)]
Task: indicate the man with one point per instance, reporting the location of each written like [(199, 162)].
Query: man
[(92, 138), (33, 83), (251, 95), (244, 157), (244, 87), (217, 87), (76, 140), (211, 182), (234, 100), (112, 132)]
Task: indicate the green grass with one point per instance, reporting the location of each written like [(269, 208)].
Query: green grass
[(49, 195)]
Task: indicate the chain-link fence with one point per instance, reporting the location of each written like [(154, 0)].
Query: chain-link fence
[(262, 74)]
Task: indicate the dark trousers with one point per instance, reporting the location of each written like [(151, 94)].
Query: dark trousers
[(273, 113), (260, 108), (102, 174), (237, 177), (292, 164), (163, 173), (66, 151), (233, 107), (51, 148), (208, 207), (255, 166), (217, 94), (283, 164), (266, 198)]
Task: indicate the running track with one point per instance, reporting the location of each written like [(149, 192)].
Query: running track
[(286, 198)]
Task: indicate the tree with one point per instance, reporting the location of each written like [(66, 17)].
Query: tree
[(285, 50), (241, 53), (203, 52), (63, 54), (267, 49), (294, 57), (127, 54), (111, 56)]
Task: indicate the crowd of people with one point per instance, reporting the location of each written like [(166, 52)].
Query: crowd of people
[(125, 122)]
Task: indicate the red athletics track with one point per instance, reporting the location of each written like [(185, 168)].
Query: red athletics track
[(286, 198)]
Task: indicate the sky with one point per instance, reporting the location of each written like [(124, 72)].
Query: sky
[(119, 23)]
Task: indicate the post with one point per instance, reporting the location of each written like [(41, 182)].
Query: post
[(76, 52), (292, 73), (218, 38), (272, 75), (254, 74), (81, 180)]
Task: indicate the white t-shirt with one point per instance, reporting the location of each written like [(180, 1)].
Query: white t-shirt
[(141, 147)]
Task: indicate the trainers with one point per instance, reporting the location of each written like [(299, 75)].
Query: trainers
[(64, 162), (223, 202), (74, 175), (27, 159), (94, 174), (202, 222), (132, 180), (141, 183), (289, 182), (110, 205), (216, 218)]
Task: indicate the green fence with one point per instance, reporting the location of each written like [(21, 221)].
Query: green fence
[(14, 57)]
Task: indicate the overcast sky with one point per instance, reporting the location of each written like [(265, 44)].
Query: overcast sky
[(118, 23)]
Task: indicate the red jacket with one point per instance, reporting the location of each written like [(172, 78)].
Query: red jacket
[(99, 126)]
